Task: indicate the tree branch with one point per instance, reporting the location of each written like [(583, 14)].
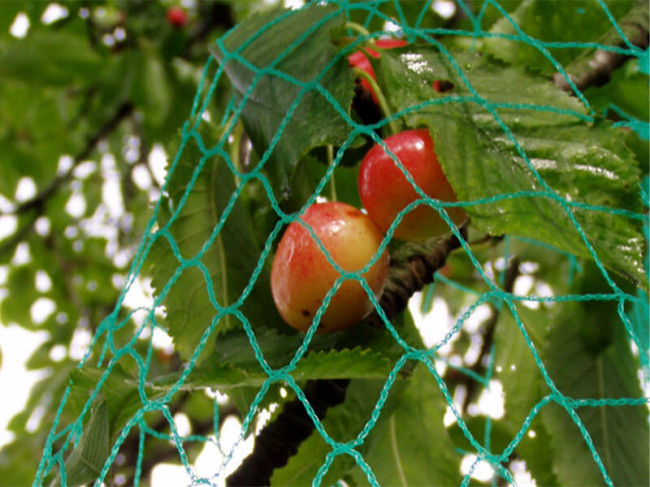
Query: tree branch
[(597, 69)]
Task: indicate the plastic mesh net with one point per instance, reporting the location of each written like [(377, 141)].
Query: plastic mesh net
[(233, 305)]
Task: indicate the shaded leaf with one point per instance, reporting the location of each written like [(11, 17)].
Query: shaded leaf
[(50, 58), (335, 364), (343, 423), (524, 387), (588, 356), (411, 446), (230, 253), (277, 49), (346, 421), (85, 463)]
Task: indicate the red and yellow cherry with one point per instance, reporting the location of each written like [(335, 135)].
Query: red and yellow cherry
[(385, 191), (176, 16), (359, 60), (301, 275)]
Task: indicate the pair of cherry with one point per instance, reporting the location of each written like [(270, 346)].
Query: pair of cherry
[(301, 275)]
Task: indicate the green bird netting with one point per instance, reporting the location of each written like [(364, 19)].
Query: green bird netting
[(540, 297)]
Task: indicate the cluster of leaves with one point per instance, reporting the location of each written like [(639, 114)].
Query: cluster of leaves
[(527, 159), (531, 161)]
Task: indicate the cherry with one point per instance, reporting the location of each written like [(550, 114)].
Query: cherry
[(301, 275), (385, 191), (176, 16), (359, 60)]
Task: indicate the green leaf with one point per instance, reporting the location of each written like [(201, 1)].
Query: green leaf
[(85, 463), (34, 133), (588, 356), (151, 88), (283, 52), (15, 308), (360, 352), (346, 421), (627, 91), (524, 387), (49, 58), (279, 347), (17, 459), (230, 259), (411, 446), (335, 364), (119, 391), (8, 14), (570, 163), (552, 21)]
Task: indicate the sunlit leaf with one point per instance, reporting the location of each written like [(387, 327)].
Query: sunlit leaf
[(482, 129)]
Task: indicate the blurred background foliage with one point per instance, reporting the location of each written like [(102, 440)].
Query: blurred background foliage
[(93, 94)]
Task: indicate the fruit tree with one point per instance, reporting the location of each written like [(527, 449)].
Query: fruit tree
[(390, 242)]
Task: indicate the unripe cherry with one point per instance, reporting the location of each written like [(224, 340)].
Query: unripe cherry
[(301, 275)]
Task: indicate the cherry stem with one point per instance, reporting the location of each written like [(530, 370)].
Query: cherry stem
[(330, 161), (383, 104), (237, 133), (357, 28)]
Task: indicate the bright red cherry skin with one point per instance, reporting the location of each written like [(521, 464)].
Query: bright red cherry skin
[(301, 275), (385, 191), (176, 16), (359, 60)]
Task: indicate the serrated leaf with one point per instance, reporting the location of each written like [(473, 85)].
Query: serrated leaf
[(588, 356), (119, 392), (279, 346), (569, 162), (345, 421), (285, 44), (230, 259), (335, 364), (339, 364), (552, 21)]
